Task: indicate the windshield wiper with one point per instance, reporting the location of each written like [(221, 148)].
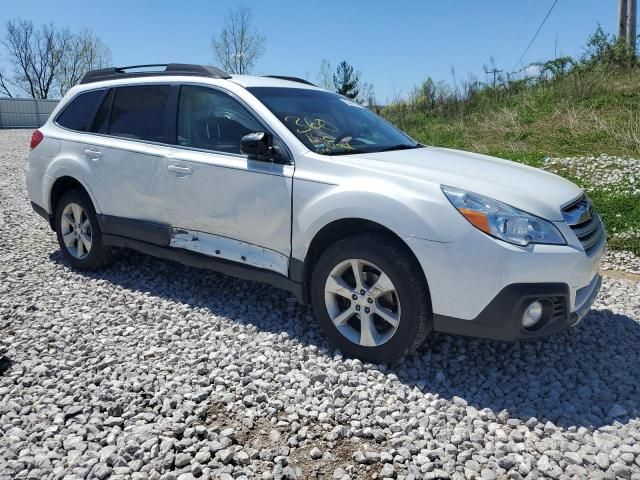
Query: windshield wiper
[(401, 146), (347, 152)]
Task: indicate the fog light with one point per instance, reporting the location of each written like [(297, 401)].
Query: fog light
[(532, 315)]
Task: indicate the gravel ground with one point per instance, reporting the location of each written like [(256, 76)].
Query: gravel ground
[(621, 261), (149, 369), (609, 173)]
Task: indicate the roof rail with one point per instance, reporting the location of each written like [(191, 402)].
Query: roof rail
[(142, 71), (291, 79)]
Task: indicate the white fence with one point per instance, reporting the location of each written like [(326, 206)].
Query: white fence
[(25, 112)]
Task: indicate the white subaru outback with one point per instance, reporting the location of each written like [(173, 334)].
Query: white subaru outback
[(274, 179)]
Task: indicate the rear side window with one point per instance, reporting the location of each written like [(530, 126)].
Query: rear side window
[(78, 114), (139, 112)]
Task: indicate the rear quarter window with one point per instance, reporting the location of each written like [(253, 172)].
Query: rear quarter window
[(80, 111)]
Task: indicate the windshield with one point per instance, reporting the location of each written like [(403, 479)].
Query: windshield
[(330, 124)]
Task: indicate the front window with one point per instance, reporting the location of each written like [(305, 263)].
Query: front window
[(330, 124), (212, 120)]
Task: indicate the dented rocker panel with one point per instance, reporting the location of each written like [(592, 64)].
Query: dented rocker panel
[(229, 249), (216, 246), (199, 260)]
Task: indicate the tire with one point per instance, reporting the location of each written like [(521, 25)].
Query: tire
[(97, 255), (401, 317)]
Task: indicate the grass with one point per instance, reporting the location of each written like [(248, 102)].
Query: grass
[(585, 113)]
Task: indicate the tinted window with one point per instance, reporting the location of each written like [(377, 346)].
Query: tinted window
[(212, 120), (101, 122), (139, 112), (78, 114)]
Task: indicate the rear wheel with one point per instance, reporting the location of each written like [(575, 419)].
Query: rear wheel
[(370, 298), (78, 232)]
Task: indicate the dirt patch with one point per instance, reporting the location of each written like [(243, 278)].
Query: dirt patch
[(618, 275), (338, 454), (261, 434)]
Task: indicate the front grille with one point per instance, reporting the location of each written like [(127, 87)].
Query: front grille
[(585, 223)]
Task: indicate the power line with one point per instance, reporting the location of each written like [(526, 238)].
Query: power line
[(536, 34)]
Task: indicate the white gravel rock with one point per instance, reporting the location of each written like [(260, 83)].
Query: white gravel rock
[(607, 172), (149, 369), (621, 261)]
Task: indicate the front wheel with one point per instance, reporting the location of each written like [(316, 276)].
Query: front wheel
[(78, 232), (370, 298)]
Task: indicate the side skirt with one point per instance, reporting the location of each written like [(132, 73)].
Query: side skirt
[(199, 260)]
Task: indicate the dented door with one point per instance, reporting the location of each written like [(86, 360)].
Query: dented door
[(230, 207)]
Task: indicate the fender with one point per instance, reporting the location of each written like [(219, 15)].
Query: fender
[(398, 209)]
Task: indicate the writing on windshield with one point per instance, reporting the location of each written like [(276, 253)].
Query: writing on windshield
[(320, 133)]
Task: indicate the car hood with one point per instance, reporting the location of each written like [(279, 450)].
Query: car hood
[(530, 189)]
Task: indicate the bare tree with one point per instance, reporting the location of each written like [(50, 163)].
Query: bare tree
[(239, 45), (48, 61), (325, 75), (4, 85), (367, 95), (35, 55), (85, 52)]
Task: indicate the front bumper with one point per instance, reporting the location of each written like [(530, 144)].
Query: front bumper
[(502, 318), (479, 286)]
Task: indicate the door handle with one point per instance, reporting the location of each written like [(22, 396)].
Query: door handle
[(180, 171), (93, 155)]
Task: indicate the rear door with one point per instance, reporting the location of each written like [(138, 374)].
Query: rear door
[(220, 202), (127, 154)]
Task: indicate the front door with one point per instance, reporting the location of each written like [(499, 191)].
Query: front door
[(217, 201)]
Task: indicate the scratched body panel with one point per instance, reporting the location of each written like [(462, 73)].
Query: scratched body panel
[(229, 249)]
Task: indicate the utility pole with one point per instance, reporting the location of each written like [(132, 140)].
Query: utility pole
[(622, 20), (632, 9), (494, 71)]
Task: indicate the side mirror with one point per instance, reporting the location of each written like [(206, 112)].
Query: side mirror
[(259, 146)]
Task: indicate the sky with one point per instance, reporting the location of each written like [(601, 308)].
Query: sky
[(393, 44)]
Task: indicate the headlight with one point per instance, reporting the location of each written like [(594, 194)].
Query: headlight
[(501, 220)]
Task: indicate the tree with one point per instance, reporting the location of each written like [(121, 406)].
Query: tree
[(325, 77), (423, 97), (346, 81), (603, 50), (85, 52), (4, 85), (367, 96), (557, 67), (239, 45), (35, 55), (48, 61)]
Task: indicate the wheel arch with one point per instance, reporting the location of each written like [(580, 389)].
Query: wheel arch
[(337, 230), (60, 186)]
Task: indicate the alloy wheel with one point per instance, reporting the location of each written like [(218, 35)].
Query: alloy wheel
[(362, 302), (76, 230)]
